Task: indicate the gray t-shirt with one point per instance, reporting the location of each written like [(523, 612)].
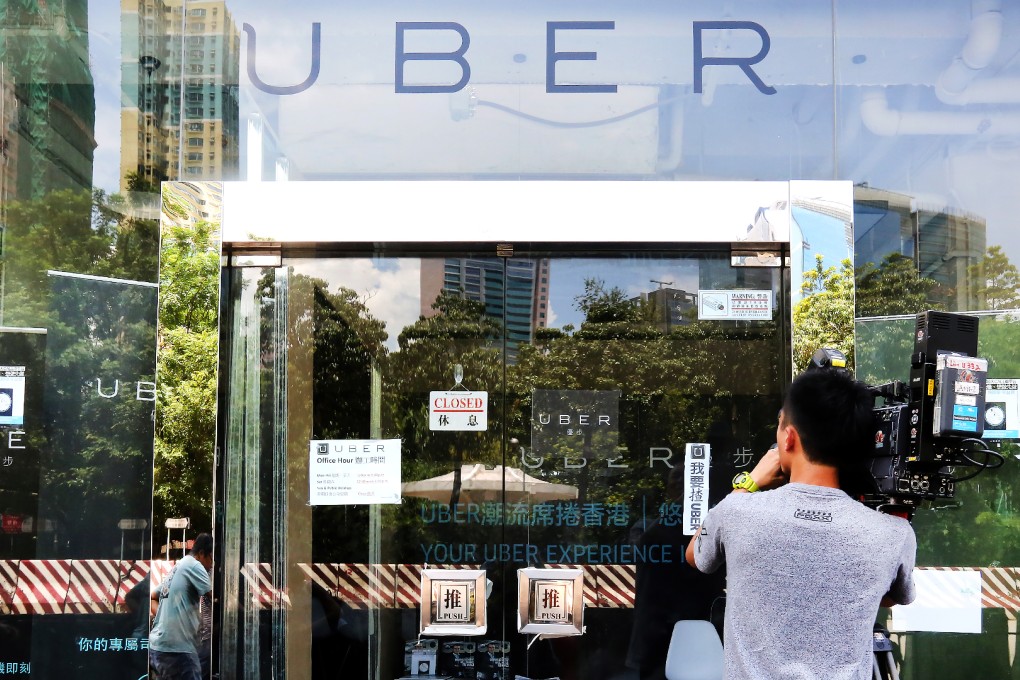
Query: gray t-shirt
[(806, 568), (175, 628)]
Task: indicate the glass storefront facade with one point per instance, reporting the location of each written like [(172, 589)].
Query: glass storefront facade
[(176, 330)]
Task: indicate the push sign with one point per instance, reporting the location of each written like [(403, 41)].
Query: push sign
[(458, 411)]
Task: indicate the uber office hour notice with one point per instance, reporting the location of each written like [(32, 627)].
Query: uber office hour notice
[(353, 471)]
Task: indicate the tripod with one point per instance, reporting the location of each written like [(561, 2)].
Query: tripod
[(884, 663)]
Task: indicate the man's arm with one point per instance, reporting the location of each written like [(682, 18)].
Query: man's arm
[(767, 474), (902, 589)]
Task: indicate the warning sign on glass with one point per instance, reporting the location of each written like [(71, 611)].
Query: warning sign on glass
[(458, 411), (735, 305)]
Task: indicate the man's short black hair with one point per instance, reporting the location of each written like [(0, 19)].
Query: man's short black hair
[(833, 415), (203, 545)]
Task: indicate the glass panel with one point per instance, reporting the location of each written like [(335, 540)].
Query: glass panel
[(598, 374), (970, 530)]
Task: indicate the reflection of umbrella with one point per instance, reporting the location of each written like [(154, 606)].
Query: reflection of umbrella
[(479, 483)]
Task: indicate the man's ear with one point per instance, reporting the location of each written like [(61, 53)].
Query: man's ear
[(790, 438)]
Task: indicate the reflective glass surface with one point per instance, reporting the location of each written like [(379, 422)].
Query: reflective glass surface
[(913, 103), (601, 386)]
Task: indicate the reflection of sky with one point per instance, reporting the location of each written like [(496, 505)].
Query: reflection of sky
[(632, 276), (807, 129), (104, 56), (823, 235), (390, 288)]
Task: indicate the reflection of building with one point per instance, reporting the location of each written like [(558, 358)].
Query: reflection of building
[(670, 307), (524, 299), (45, 53), (188, 202), (8, 139), (942, 243), (152, 70)]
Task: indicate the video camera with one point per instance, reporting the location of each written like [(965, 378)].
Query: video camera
[(928, 429)]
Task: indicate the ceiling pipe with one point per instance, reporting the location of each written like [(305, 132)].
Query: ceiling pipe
[(955, 84), (886, 122)]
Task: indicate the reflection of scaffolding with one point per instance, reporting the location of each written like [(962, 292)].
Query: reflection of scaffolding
[(46, 53)]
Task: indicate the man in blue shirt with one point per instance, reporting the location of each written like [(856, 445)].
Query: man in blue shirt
[(173, 640)]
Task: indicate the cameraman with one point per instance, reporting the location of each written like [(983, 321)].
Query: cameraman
[(807, 566)]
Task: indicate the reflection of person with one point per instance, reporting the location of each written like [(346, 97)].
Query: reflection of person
[(173, 640), (807, 566), (205, 635), (667, 592)]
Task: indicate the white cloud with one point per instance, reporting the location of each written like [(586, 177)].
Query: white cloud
[(392, 293)]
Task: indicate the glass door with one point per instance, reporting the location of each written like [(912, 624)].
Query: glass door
[(612, 402)]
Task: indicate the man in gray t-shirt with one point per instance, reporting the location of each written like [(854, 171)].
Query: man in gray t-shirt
[(807, 566), (173, 640)]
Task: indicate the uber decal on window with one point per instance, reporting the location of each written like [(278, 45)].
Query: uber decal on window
[(697, 461)]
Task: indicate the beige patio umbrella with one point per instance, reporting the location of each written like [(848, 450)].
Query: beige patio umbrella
[(479, 483)]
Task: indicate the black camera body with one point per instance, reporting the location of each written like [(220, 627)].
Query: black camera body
[(928, 428)]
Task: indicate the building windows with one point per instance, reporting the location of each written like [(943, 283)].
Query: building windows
[(195, 156), (196, 141), (195, 127)]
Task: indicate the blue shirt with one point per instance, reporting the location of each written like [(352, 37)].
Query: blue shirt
[(177, 619)]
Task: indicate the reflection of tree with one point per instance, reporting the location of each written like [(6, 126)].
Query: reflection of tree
[(348, 345), (700, 382), (824, 316), (186, 396), (99, 466), (460, 333), (894, 287), (72, 231), (979, 529), (96, 456), (996, 280)]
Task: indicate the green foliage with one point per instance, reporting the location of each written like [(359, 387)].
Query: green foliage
[(71, 231), (894, 287), (996, 280), (824, 316), (186, 391), (96, 440)]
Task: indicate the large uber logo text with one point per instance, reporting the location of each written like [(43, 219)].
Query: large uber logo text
[(554, 55)]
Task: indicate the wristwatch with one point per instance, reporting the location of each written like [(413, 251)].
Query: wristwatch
[(743, 481)]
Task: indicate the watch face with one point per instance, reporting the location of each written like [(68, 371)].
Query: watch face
[(995, 416), (5, 402)]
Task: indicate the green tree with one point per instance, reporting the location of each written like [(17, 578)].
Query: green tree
[(70, 231), (894, 287), (996, 280), (185, 432), (824, 316)]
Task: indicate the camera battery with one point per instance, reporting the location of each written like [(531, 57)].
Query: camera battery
[(960, 396)]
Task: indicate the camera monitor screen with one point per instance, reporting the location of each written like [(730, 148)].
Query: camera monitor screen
[(12, 395)]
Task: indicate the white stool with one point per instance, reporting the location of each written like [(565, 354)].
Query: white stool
[(695, 652)]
